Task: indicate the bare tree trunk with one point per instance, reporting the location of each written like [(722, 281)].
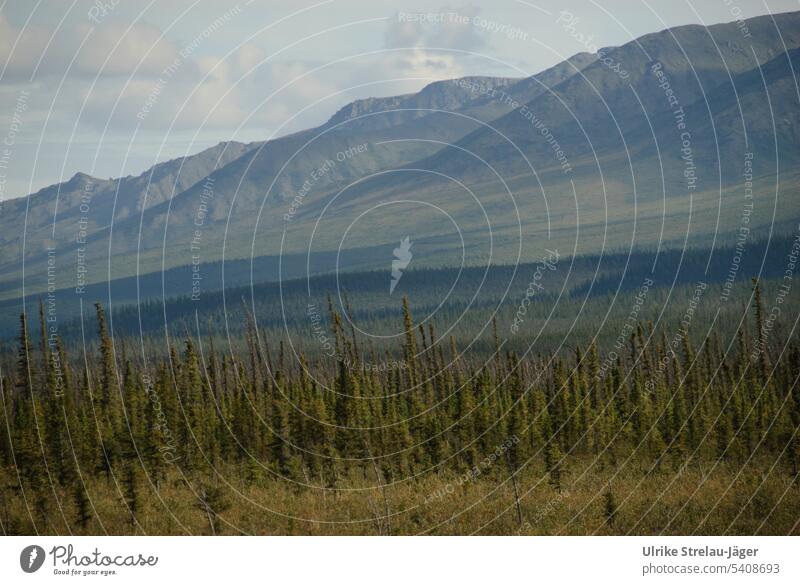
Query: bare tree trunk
[(379, 478), (513, 472)]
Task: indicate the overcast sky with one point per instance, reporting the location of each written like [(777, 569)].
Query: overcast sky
[(109, 87)]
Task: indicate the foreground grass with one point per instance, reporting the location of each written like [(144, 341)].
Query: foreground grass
[(735, 500)]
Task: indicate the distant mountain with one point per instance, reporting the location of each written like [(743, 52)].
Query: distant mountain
[(599, 110), (448, 95), (650, 145), (101, 199)]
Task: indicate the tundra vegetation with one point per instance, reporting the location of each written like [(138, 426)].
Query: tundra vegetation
[(665, 435)]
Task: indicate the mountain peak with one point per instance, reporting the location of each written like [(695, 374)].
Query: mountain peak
[(447, 94), (80, 178)]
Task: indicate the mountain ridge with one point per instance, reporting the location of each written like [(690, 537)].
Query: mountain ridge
[(617, 136)]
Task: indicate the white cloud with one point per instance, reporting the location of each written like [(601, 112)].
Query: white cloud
[(109, 50), (451, 28)]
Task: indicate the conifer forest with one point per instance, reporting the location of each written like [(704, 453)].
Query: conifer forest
[(656, 433)]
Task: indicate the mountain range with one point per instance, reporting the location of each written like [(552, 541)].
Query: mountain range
[(664, 141)]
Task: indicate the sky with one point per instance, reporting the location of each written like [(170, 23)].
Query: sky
[(111, 87)]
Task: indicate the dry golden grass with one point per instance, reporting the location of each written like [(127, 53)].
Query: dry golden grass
[(693, 500)]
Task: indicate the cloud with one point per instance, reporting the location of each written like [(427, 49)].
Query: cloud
[(414, 63), (215, 92), (447, 28), (115, 49), (438, 45)]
